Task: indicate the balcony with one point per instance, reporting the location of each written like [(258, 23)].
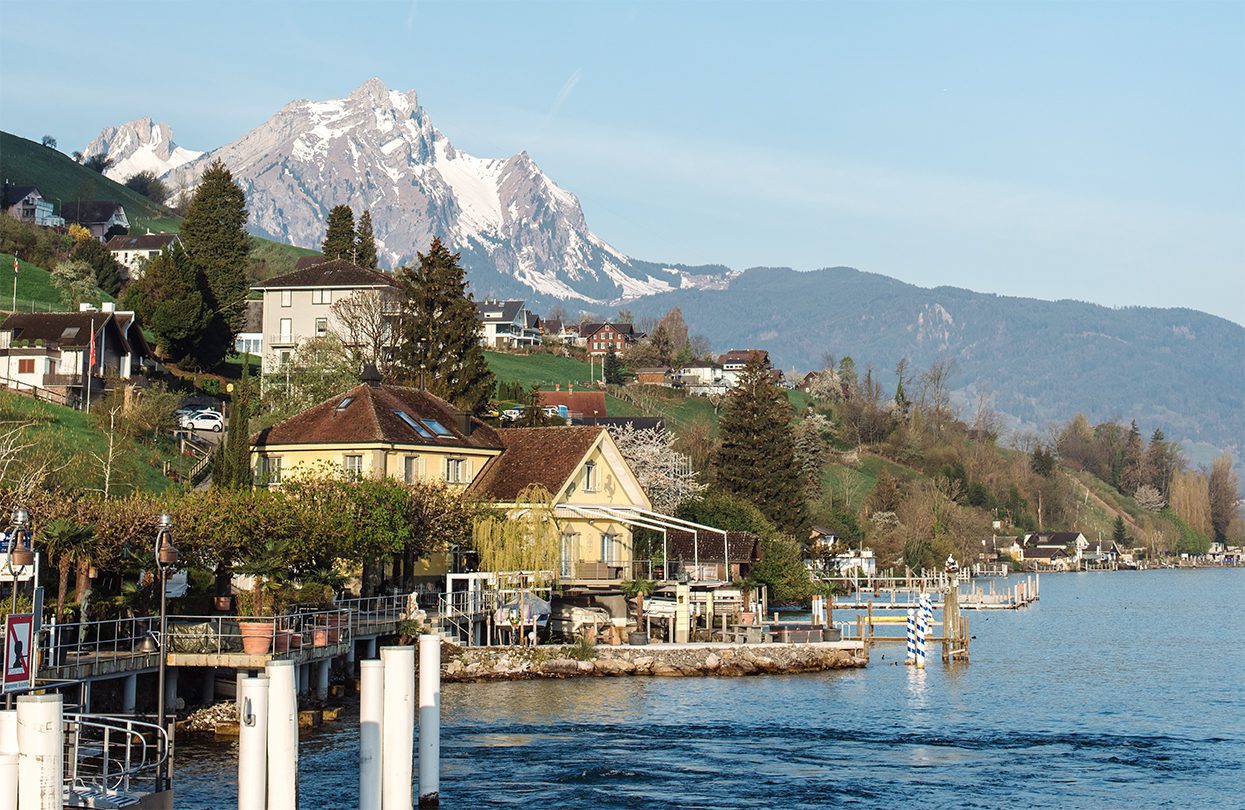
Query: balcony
[(282, 341)]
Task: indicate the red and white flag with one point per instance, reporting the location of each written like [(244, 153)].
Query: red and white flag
[(14, 265), (90, 369)]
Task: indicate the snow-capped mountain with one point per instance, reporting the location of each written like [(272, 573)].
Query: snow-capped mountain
[(139, 146), (519, 232)]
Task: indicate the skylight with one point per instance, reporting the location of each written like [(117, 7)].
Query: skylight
[(413, 423), (345, 403), (436, 427)]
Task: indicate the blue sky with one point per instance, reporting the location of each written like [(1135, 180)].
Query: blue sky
[(1056, 149)]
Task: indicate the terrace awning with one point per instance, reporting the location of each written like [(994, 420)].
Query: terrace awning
[(648, 519)]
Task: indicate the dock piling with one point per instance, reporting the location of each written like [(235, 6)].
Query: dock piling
[(253, 744), (429, 720), (282, 737), (371, 721), (398, 742), (41, 751)]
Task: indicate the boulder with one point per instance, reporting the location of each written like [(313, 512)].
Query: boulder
[(615, 666), (586, 667), (560, 666), (712, 662)]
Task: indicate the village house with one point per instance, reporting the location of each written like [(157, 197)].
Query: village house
[(133, 252), (554, 330), (1048, 558), (735, 361), (599, 338), (250, 340), (710, 556), (54, 351), (507, 325), (653, 376), (1073, 543), (574, 404), (297, 306), (26, 204), (103, 218)]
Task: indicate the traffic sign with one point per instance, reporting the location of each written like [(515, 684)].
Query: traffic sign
[(19, 633)]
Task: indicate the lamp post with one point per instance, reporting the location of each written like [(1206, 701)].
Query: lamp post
[(20, 555), (166, 558)]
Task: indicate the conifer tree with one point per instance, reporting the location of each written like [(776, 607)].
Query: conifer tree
[(339, 237), (1133, 472), (756, 459), (847, 375), (174, 305), (365, 243), (107, 270), (1119, 534), (612, 368), (439, 331), (1161, 460), (231, 464), (215, 240)]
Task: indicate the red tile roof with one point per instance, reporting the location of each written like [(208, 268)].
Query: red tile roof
[(335, 273), (578, 403), (546, 456), (369, 417)]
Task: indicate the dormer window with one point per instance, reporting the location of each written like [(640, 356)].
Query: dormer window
[(590, 476)]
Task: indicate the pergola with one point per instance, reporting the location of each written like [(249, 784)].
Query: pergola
[(648, 519)]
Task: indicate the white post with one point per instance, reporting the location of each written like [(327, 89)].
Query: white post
[(8, 731), (371, 721), (429, 720), (129, 694), (398, 743), (921, 629), (322, 678), (8, 759), (282, 737), (911, 659), (41, 757), (253, 744)]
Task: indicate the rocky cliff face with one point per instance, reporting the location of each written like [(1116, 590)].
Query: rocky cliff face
[(519, 232), (139, 146)]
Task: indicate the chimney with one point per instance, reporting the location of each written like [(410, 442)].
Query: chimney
[(370, 376), (109, 306), (462, 421)]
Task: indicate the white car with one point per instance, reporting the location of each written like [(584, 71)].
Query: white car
[(512, 414), (204, 420)]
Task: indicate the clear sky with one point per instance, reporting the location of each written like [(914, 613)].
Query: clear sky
[(1050, 149)]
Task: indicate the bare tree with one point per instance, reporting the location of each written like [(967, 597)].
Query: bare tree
[(364, 325), (936, 391)]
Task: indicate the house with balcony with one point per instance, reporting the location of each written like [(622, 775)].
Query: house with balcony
[(507, 324), (52, 354), (298, 305), (26, 204)]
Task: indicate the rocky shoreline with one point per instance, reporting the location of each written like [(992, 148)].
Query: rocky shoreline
[(473, 664)]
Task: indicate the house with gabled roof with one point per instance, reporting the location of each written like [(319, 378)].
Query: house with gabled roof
[(133, 251), (26, 204), (298, 305), (102, 218), (507, 324), (599, 338)]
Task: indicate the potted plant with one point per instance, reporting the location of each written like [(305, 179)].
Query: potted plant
[(257, 607), (637, 589)]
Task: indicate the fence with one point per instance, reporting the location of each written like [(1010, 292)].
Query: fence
[(104, 755)]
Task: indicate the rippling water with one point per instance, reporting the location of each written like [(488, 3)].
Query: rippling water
[(1117, 689)]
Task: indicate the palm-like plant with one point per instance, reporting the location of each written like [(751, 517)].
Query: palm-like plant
[(66, 542), (638, 589)]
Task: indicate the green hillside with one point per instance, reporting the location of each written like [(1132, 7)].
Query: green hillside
[(35, 292)]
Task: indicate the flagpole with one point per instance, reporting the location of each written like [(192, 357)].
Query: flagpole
[(90, 362), (14, 283)]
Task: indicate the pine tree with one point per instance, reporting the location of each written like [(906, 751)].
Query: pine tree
[(847, 375), (231, 463), (811, 450), (215, 239), (365, 243), (178, 313), (1119, 534), (612, 367), (107, 270), (339, 237), (1160, 463), (756, 459), (1133, 472), (902, 404), (440, 334)]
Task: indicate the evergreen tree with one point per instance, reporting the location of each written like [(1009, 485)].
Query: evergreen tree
[(1119, 534), (215, 239), (848, 377), (756, 459), (106, 268), (439, 331), (365, 243), (175, 307), (1161, 459), (613, 367), (231, 463), (811, 448), (1133, 473), (885, 495), (901, 397), (339, 238)]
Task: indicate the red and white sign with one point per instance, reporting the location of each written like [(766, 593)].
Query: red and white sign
[(19, 631)]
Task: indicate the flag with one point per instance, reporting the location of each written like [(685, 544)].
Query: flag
[(14, 265), (90, 369)]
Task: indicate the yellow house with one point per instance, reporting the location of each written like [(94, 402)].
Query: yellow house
[(376, 430), (594, 493)]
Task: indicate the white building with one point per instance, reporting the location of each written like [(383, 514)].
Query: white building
[(507, 324), (133, 252)]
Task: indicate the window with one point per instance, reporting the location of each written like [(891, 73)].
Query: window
[(413, 423), (321, 296), (26, 365), (457, 470), (436, 427), (285, 359), (590, 477), (270, 470), (567, 552), (287, 298), (412, 469), (607, 547), (344, 404), (322, 327), (353, 465), (6, 338), (286, 328)]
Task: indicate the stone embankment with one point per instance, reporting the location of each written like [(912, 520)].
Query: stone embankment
[(675, 660)]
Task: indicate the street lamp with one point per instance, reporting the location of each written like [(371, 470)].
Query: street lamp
[(166, 558), (20, 552)]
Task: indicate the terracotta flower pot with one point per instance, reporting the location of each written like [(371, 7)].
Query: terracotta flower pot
[(296, 641), (335, 628), (281, 641), (257, 635), (319, 636)]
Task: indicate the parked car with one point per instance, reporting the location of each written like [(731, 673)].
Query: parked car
[(512, 414), (204, 420)]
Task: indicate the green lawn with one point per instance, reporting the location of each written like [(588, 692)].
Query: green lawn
[(857, 481), (545, 370), (268, 259), (35, 292)]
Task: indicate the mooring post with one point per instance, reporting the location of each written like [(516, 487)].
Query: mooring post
[(911, 659), (429, 720), (41, 751), (371, 721), (129, 694), (398, 742), (253, 744), (282, 736), (8, 759)]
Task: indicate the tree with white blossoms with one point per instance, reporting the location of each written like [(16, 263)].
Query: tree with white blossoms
[(1149, 498), (665, 474), (826, 385)]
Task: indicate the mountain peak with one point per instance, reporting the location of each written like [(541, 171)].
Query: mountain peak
[(137, 146)]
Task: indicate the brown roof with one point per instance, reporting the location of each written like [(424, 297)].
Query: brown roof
[(1045, 552), (370, 416), (90, 212), (707, 546), (143, 241), (307, 261), (546, 456), (590, 329), (744, 356), (337, 273), (64, 329), (578, 403)]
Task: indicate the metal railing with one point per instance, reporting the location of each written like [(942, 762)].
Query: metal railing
[(109, 755), (276, 636), (367, 611), (67, 647)]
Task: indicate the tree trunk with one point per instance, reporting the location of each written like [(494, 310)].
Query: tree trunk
[(62, 586), (83, 583), (370, 578), (224, 579), (408, 570)]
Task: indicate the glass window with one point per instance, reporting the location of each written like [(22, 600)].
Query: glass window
[(590, 477), (286, 328), (436, 427), (457, 470), (322, 327), (287, 298), (321, 296), (345, 403), (413, 423), (271, 469), (353, 465), (411, 469), (607, 547)]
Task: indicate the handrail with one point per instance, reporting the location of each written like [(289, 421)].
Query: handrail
[(97, 768)]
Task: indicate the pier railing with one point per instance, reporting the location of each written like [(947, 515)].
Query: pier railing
[(110, 759), (116, 645)]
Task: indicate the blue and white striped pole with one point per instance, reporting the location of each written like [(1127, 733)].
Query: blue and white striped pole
[(921, 629), (911, 659)]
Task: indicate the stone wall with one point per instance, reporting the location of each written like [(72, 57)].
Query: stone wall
[(521, 663)]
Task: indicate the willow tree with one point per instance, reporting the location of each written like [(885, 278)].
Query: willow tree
[(520, 549)]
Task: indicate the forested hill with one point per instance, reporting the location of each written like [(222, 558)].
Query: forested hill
[(1041, 361)]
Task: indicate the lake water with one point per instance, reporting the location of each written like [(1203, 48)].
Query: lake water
[(1117, 689)]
